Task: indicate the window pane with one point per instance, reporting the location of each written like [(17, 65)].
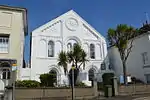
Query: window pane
[(145, 57), (7, 40), (4, 44), (50, 49), (103, 67), (8, 75), (92, 51)]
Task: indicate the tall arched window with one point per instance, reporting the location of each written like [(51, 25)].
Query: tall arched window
[(50, 49), (92, 51)]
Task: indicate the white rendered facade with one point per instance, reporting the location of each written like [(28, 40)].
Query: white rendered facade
[(60, 34)]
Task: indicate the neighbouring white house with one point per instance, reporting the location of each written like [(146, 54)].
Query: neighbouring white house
[(138, 63), (61, 34)]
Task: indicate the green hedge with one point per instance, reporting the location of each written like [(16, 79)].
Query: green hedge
[(27, 83), (80, 84), (47, 80)]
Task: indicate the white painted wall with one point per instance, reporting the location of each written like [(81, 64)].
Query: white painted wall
[(68, 28), (135, 66)]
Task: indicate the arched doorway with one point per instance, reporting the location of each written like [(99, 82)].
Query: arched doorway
[(91, 75), (5, 71), (53, 77)]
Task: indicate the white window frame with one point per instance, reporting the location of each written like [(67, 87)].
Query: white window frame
[(4, 44), (145, 58)]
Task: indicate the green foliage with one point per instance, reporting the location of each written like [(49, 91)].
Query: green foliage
[(27, 83), (107, 78), (122, 37), (80, 84), (63, 60), (47, 80), (76, 57)]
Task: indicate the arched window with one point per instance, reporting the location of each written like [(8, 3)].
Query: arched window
[(50, 49), (74, 44), (69, 46), (92, 51), (103, 66), (42, 48)]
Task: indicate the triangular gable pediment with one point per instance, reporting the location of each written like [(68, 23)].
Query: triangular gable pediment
[(53, 26)]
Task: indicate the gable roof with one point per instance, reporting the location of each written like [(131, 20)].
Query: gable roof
[(65, 14)]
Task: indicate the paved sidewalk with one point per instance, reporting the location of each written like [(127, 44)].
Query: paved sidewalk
[(142, 98), (129, 97)]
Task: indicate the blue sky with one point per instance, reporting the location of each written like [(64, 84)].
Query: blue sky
[(101, 14)]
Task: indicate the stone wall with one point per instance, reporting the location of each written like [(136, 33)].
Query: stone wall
[(36, 93), (134, 89)]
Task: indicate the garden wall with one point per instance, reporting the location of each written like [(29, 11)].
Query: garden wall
[(36, 93), (134, 89)]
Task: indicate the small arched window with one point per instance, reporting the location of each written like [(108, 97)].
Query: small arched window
[(74, 44), (92, 51), (50, 49), (69, 46)]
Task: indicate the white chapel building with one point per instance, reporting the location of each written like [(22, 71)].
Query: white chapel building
[(61, 34)]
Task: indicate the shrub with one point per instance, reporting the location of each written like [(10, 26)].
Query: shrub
[(136, 81), (80, 84), (27, 83), (47, 80)]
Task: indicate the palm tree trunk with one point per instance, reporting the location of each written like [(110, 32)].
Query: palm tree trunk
[(124, 73)]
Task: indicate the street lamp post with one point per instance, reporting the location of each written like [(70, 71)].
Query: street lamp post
[(73, 82), (14, 69)]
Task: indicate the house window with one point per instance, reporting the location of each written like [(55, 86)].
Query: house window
[(145, 58), (92, 51), (50, 49), (147, 78), (103, 66), (4, 43)]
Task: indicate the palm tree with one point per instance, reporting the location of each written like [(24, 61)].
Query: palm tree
[(76, 56), (63, 60)]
